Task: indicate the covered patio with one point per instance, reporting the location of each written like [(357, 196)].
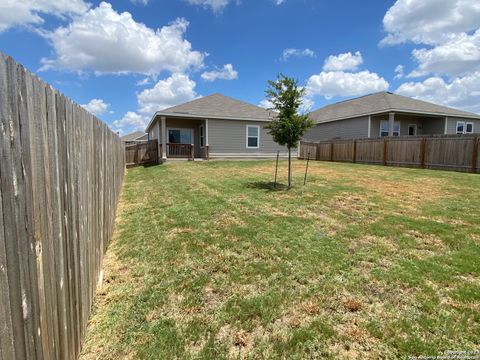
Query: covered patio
[(183, 137), (406, 124)]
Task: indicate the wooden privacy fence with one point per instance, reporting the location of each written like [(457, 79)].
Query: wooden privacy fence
[(446, 152), (142, 153), (61, 171)]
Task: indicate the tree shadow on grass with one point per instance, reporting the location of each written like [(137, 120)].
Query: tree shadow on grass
[(267, 185)]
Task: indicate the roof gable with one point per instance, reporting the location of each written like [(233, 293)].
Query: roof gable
[(133, 136), (382, 102), (219, 106)]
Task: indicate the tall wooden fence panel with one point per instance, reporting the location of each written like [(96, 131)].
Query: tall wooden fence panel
[(61, 171), (370, 151), (447, 152), (142, 153)]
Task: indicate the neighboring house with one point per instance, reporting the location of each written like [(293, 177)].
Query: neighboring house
[(135, 138), (214, 126), (388, 114)]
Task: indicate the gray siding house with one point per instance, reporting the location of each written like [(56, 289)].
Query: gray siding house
[(134, 138), (214, 126), (388, 114)]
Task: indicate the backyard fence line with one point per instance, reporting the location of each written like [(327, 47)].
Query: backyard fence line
[(146, 152), (61, 172), (443, 152)]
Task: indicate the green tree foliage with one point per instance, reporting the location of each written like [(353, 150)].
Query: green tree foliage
[(289, 126)]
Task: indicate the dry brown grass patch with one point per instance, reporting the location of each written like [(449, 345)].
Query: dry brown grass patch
[(352, 305)]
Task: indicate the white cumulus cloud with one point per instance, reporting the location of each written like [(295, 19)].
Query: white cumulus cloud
[(399, 72), (429, 21), (174, 90), (105, 41), (32, 12), (226, 73), (216, 6), (340, 83), (291, 52), (461, 92), (131, 121), (459, 55), (97, 107), (342, 62), (449, 32)]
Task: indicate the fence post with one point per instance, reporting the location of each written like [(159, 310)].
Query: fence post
[(317, 151), (423, 150), (207, 151), (354, 151), (137, 150), (475, 154), (385, 151), (192, 152), (331, 151)]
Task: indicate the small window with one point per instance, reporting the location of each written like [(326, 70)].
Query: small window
[(384, 125), (460, 127), (202, 136), (253, 136), (396, 128), (384, 128), (412, 129), (469, 128)]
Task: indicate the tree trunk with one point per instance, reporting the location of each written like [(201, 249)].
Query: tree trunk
[(289, 167)]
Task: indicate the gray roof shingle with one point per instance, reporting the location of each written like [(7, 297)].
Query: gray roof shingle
[(133, 136), (382, 102), (219, 106)]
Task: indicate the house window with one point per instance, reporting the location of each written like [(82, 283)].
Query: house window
[(202, 136), (412, 129), (253, 136), (464, 127), (469, 128), (460, 127), (384, 124)]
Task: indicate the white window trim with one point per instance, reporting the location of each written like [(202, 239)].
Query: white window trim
[(388, 122), (200, 136), (258, 137), (415, 127), (464, 127)]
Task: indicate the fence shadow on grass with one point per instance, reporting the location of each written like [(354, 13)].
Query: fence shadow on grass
[(267, 185)]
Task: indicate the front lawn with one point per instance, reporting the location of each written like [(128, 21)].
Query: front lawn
[(364, 261)]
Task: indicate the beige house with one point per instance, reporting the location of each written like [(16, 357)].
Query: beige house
[(388, 114), (214, 126)]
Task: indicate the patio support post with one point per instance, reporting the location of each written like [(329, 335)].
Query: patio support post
[(207, 145), (391, 123), (164, 137)]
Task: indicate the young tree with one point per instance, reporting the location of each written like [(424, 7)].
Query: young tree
[(289, 126)]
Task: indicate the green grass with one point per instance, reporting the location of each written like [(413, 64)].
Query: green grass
[(208, 262)]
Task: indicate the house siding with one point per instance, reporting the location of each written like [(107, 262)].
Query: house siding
[(227, 138), (154, 133), (348, 128), (452, 124)]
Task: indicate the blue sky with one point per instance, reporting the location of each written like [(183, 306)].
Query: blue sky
[(126, 59)]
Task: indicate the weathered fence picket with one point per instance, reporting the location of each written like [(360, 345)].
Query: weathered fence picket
[(61, 172), (447, 152)]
